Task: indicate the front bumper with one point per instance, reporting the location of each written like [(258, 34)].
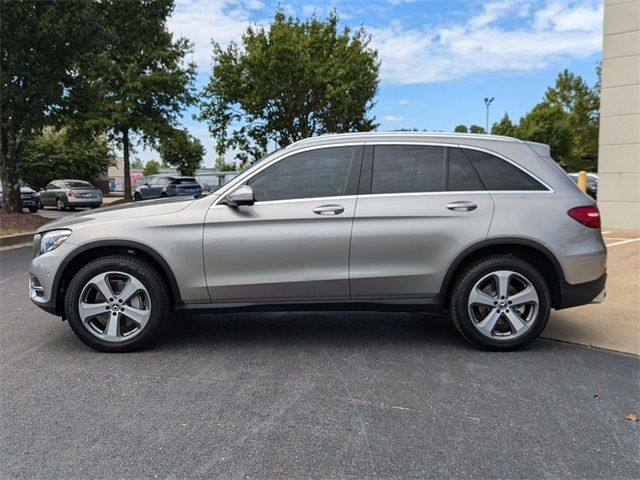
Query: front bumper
[(42, 278), (573, 295), (29, 201)]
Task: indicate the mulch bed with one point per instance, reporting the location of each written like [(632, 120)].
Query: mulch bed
[(12, 223), (118, 202)]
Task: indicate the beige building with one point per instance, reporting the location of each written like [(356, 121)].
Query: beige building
[(619, 151)]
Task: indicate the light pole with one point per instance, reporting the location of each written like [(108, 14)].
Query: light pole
[(487, 102)]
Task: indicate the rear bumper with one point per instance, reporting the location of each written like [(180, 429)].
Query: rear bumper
[(572, 295)]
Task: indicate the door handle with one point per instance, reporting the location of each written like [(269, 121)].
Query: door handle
[(462, 206), (328, 210)]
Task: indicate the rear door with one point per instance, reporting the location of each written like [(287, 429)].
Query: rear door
[(419, 206), (293, 243)]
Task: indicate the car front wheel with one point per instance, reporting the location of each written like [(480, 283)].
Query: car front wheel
[(500, 303), (59, 204), (117, 304)]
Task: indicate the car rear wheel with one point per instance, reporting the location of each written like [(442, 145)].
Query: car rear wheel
[(117, 304), (500, 303), (137, 197)]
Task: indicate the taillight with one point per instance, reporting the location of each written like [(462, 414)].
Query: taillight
[(588, 216), (69, 193)]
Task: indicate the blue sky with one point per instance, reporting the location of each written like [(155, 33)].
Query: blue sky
[(439, 58)]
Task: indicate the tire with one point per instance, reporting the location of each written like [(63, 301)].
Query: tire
[(137, 197), (124, 275), (489, 321), (33, 209), (163, 195), (60, 204)]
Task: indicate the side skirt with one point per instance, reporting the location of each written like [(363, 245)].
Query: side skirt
[(430, 305)]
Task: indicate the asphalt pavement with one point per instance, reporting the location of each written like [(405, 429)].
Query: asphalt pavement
[(306, 395)]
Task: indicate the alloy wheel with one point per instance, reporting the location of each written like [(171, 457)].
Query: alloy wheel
[(114, 306), (503, 305)]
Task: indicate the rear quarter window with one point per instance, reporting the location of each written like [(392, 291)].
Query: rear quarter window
[(497, 174)]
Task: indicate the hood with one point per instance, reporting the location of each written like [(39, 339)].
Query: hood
[(128, 210), (27, 190)]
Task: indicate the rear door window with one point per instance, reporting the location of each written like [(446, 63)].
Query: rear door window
[(497, 174), (408, 168), (461, 177)]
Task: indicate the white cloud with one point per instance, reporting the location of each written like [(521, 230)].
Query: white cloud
[(516, 35), (403, 101), (392, 118), (203, 20)]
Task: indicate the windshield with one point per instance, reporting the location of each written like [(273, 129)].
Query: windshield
[(77, 184)]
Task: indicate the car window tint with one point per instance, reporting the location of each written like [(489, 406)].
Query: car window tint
[(162, 181), (316, 173), (407, 168), (461, 175), (51, 186), (78, 184), (497, 174)]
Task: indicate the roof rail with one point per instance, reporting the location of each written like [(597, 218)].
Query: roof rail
[(408, 134)]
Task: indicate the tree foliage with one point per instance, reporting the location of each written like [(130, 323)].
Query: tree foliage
[(293, 80), (44, 46), (182, 151), (58, 154), (461, 129), (139, 83), (152, 167), (222, 166), (505, 127)]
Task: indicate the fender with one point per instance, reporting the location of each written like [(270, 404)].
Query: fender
[(173, 284), (525, 242)]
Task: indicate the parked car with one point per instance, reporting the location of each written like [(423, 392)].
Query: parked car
[(592, 183), (28, 195), (487, 227), (160, 186), (64, 194)]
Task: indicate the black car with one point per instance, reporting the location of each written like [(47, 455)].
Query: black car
[(157, 186), (592, 183)]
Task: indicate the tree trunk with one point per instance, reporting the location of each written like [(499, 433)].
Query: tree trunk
[(127, 166), (9, 153)]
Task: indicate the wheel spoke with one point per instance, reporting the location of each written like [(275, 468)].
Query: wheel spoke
[(487, 325), (502, 283), (528, 295), (102, 284), (141, 317), (89, 310), (132, 287), (478, 297), (514, 320), (112, 330)]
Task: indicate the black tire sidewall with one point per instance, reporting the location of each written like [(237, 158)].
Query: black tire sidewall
[(137, 268), (475, 272)]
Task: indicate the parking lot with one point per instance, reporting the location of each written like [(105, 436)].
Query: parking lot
[(322, 395)]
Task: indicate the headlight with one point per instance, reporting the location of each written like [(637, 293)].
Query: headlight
[(53, 239)]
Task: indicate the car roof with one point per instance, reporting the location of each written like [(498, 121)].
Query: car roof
[(436, 137)]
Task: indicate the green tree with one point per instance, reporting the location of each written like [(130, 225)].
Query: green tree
[(505, 127), (140, 84), (43, 46), (152, 167), (461, 129), (182, 151), (222, 166), (476, 129), (581, 104), (137, 164), (59, 154), (549, 124), (293, 80)]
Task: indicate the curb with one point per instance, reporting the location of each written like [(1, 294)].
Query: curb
[(17, 239)]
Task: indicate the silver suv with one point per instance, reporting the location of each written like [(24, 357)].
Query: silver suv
[(488, 228)]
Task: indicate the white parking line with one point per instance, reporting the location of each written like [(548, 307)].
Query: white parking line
[(604, 233), (622, 242)]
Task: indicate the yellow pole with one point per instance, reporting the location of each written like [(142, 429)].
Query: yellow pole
[(582, 180)]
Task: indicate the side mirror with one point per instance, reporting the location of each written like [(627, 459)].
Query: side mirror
[(241, 196)]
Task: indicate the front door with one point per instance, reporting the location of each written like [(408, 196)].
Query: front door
[(293, 243), (418, 208)]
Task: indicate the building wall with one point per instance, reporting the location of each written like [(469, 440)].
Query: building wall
[(619, 151)]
